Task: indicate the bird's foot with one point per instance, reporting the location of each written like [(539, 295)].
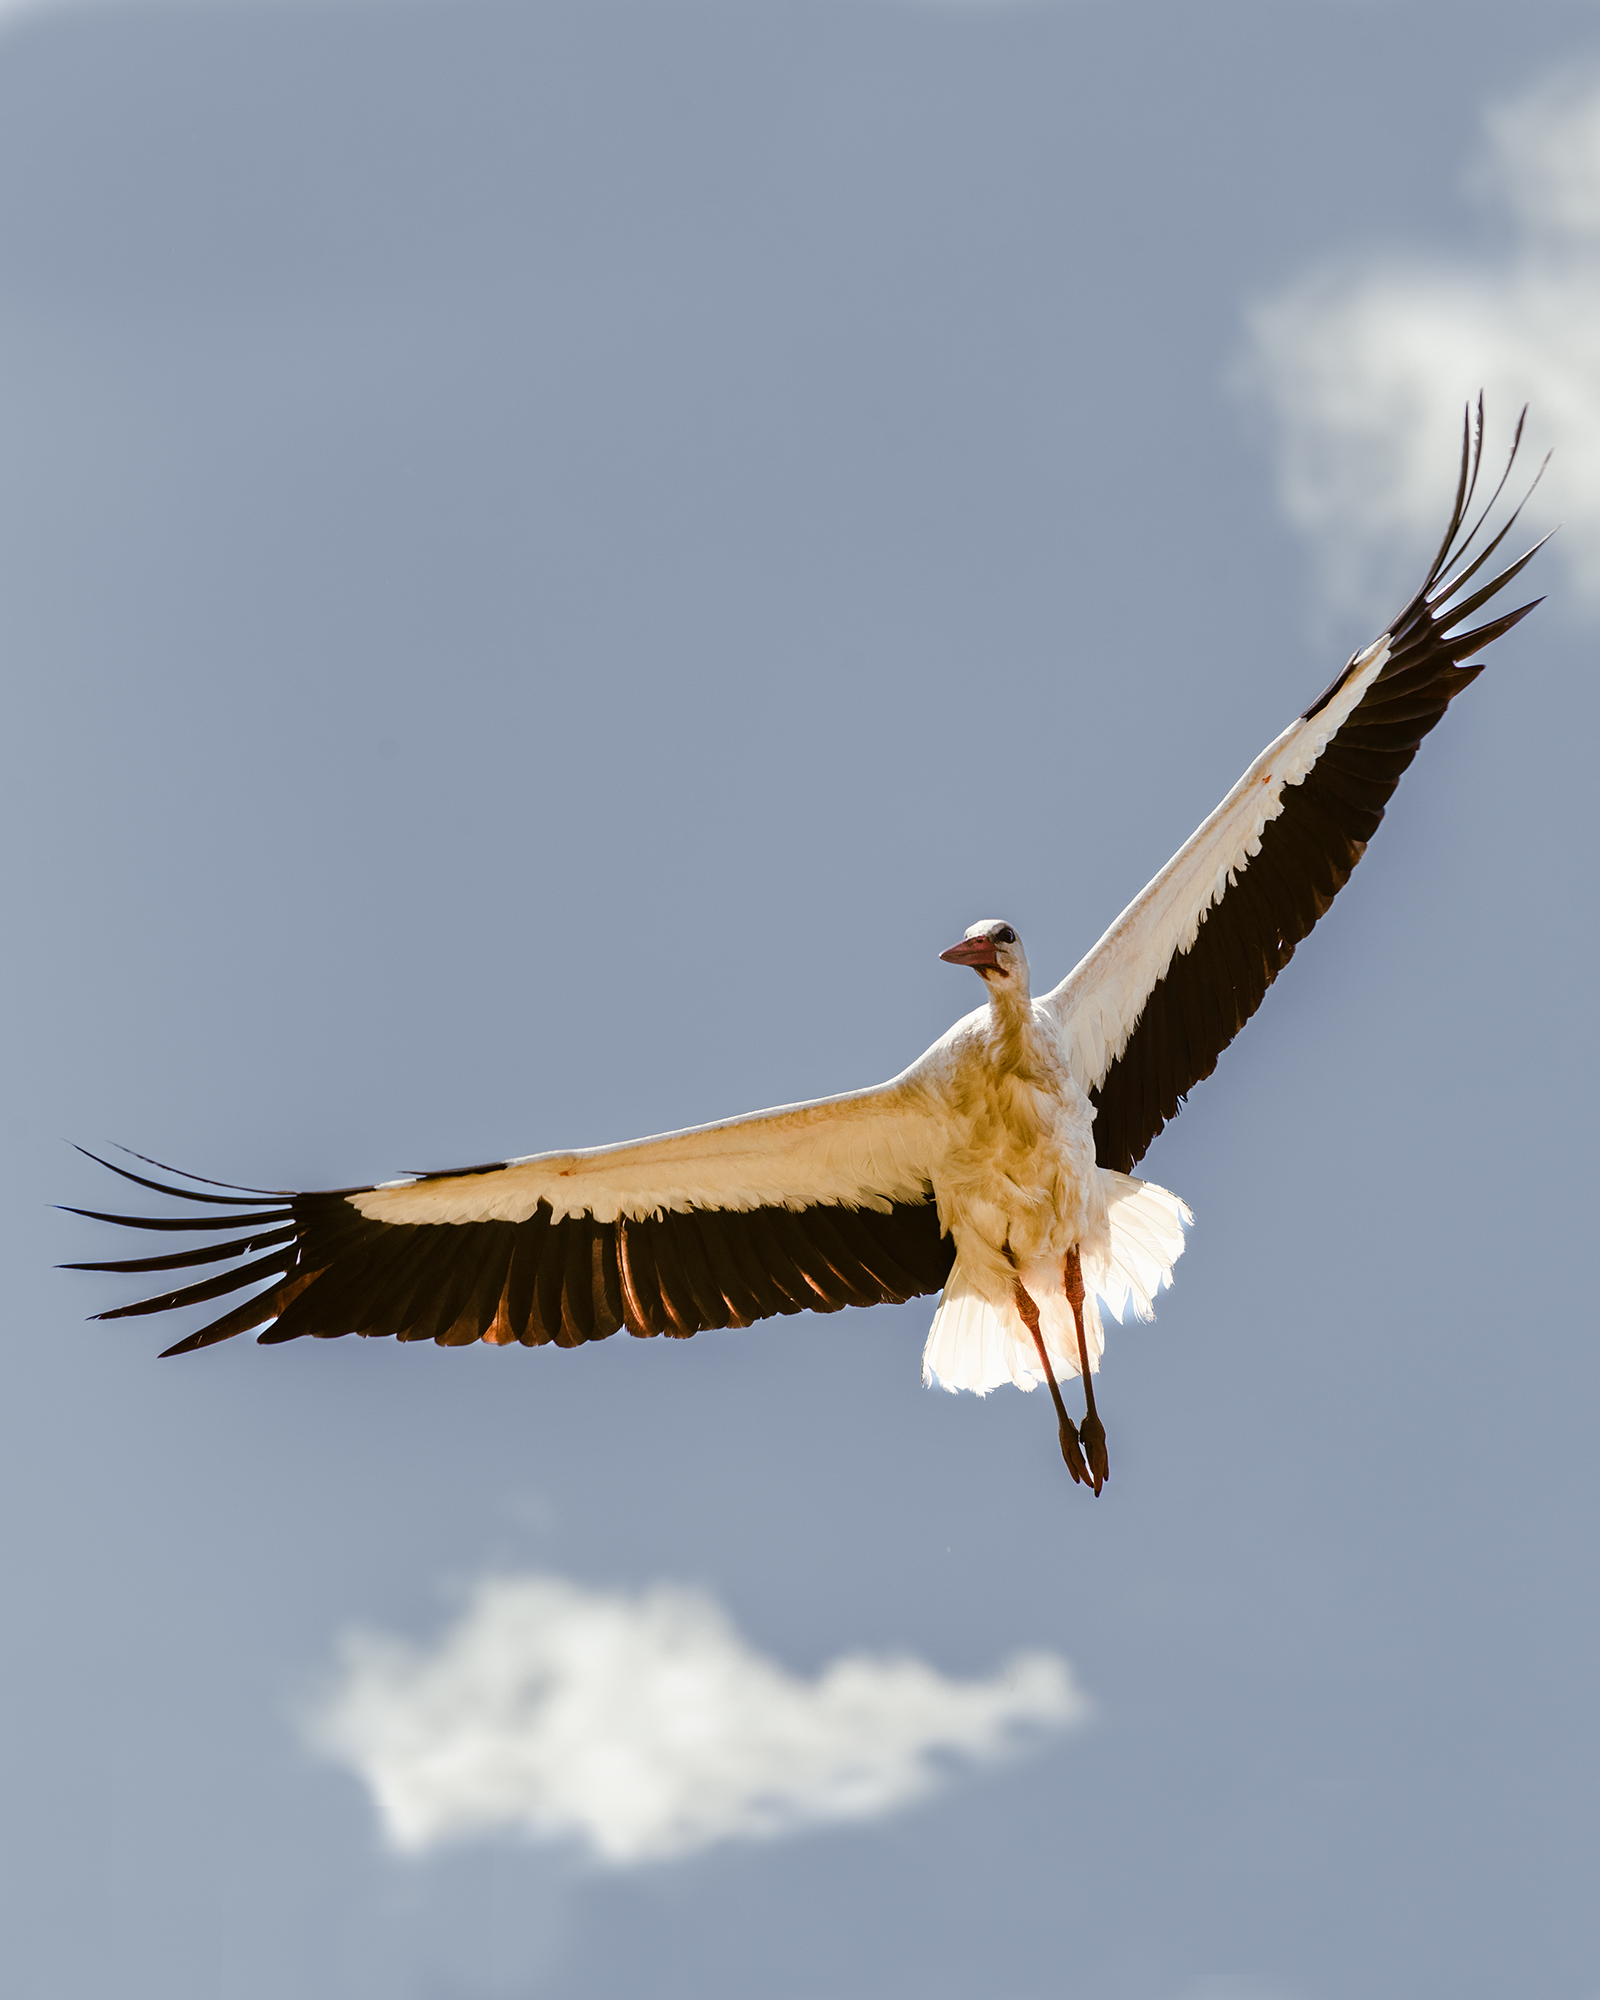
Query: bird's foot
[(1073, 1454), (1093, 1433)]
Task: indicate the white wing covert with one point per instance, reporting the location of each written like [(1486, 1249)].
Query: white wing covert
[(811, 1207), (1146, 1014)]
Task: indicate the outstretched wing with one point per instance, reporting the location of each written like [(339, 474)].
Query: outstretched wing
[(1146, 1015), (803, 1209)]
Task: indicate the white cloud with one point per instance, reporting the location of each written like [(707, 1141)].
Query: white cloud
[(1366, 365), (647, 1728)]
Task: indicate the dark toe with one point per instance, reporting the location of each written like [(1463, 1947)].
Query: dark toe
[(1094, 1440), (1073, 1454)]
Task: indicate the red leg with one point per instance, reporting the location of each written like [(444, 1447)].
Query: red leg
[(1070, 1449), (1094, 1432)]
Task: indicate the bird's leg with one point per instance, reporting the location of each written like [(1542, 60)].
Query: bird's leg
[(1093, 1432), (1070, 1449)]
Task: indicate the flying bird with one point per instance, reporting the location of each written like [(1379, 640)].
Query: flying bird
[(997, 1170)]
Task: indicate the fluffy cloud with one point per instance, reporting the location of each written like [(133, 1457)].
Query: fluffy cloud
[(645, 1727), (1365, 365)]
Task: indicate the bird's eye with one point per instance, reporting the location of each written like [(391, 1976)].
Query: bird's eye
[(1005, 935)]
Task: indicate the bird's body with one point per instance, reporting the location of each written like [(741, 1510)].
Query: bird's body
[(1018, 1188), (996, 1169), (1018, 1172)]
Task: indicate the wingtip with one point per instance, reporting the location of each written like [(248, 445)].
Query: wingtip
[(201, 1180), (241, 1198)]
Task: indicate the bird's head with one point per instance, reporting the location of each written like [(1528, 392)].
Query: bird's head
[(994, 951)]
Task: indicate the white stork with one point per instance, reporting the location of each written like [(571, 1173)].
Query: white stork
[(996, 1169)]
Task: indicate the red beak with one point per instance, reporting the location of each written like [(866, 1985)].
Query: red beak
[(978, 952)]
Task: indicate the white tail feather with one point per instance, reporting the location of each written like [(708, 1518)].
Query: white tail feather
[(979, 1344), (1146, 1241)]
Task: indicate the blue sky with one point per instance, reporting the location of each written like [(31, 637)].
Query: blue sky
[(551, 558)]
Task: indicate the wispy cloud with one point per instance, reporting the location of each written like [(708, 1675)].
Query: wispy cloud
[(1365, 365), (14, 10), (645, 1727)]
